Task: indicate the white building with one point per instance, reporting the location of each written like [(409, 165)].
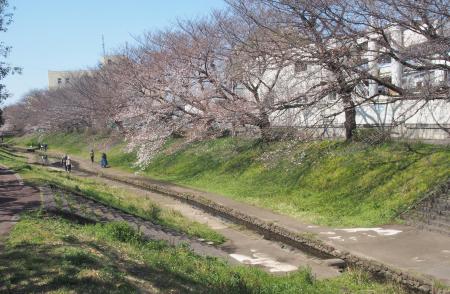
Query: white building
[(415, 119)]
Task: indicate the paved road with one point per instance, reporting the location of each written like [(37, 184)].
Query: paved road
[(15, 197)]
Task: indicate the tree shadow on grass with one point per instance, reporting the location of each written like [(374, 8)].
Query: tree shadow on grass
[(86, 267)]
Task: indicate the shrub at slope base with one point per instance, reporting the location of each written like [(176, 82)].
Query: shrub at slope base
[(327, 182)]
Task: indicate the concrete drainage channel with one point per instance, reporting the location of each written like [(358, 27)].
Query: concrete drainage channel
[(270, 231)]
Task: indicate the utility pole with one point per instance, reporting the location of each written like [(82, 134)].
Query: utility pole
[(103, 45)]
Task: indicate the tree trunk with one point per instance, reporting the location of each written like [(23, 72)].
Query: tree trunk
[(350, 116), (264, 127)]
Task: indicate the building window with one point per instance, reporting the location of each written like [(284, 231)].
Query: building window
[(67, 80), (364, 46), (332, 96), (384, 59), (364, 63), (59, 81), (300, 66)]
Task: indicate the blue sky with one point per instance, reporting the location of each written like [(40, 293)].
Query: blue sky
[(66, 35)]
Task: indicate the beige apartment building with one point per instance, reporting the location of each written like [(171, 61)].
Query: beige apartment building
[(58, 79)]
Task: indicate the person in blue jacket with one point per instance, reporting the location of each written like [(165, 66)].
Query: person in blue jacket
[(104, 161)]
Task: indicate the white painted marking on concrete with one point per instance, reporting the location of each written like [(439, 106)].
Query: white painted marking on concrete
[(312, 227), (328, 233), (353, 238), (379, 231), (417, 259), (336, 238), (371, 236), (264, 260), (445, 251)]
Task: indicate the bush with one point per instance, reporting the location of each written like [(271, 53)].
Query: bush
[(120, 231)]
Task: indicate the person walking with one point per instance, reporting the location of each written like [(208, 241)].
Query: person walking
[(92, 155), (64, 161), (44, 159), (104, 161), (68, 164)]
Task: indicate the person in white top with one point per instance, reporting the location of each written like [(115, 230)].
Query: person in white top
[(68, 164)]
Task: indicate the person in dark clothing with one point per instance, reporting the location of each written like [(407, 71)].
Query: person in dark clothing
[(63, 162), (104, 161), (92, 155)]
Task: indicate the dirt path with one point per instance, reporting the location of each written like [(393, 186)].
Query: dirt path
[(15, 197)]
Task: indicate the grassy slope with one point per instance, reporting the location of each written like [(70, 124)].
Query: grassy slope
[(122, 199), (330, 183), (81, 144), (54, 255)]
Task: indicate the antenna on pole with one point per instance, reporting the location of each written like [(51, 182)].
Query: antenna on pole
[(103, 45)]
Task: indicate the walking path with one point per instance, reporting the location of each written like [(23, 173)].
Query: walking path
[(418, 253), (15, 197), (242, 246), (406, 248)]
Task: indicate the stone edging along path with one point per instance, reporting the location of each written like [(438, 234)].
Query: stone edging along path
[(415, 283)]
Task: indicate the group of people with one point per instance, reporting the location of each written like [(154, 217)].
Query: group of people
[(103, 161), (66, 162)]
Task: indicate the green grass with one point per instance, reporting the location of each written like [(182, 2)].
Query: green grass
[(120, 198), (331, 183), (328, 182), (54, 255), (80, 144)]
